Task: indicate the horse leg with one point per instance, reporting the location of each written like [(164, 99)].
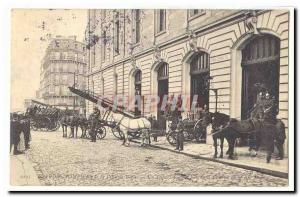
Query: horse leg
[(231, 148), (216, 146), (63, 130), (149, 137), (76, 131), (270, 150), (221, 146), (126, 139), (72, 132)]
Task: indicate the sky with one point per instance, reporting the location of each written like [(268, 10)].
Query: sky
[(29, 42)]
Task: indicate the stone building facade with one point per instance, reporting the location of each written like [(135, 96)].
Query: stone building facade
[(63, 65), (181, 52)]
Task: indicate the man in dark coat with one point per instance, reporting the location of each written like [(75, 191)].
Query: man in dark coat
[(25, 126), (94, 118), (15, 130), (179, 136)]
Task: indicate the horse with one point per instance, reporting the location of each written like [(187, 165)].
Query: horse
[(133, 125), (262, 129), (217, 120), (71, 121), (83, 124)]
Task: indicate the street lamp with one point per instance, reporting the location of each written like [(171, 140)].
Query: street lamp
[(215, 90)]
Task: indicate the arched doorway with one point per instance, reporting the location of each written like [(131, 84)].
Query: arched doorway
[(260, 64), (199, 72), (138, 92), (162, 91)]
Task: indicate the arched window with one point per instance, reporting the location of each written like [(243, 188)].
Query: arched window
[(200, 63), (138, 91), (163, 72), (137, 78), (261, 49)]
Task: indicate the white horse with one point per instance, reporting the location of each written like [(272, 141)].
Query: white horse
[(127, 125)]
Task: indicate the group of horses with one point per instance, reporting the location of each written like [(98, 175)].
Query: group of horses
[(74, 122), (224, 127)]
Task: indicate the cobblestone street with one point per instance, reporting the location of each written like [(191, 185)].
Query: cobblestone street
[(65, 162)]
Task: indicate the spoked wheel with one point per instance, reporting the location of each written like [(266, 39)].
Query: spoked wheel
[(52, 126), (199, 131), (116, 132), (33, 125), (171, 138), (101, 132), (57, 125), (188, 136)]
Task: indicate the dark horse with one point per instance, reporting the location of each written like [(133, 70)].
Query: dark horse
[(270, 130), (218, 121), (74, 121)]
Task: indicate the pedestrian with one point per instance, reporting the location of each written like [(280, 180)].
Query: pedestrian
[(25, 126), (94, 118), (15, 133), (179, 136)]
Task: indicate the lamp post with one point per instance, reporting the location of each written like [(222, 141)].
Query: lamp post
[(207, 80)]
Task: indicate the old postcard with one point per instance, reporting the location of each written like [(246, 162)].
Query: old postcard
[(152, 99)]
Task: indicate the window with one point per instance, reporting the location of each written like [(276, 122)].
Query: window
[(103, 50), (160, 21), (163, 72), (117, 33), (136, 26), (200, 63), (193, 13)]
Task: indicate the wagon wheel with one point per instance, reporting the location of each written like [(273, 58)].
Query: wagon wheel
[(198, 130), (56, 126), (116, 132), (33, 126), (188, 136), (48, 124), (101, 132), (171, 138)]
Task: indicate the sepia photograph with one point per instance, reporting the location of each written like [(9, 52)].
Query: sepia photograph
[(152, 99)]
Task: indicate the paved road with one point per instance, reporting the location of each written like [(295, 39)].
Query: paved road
[(66, 162)]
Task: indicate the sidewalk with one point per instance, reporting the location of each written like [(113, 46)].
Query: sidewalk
[(21, 169), (277, 168), (22, 172)]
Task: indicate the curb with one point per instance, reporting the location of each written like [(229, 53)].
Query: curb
[(279, 174)]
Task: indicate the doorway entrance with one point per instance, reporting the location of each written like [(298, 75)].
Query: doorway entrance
[(260, 64), (163, 89)]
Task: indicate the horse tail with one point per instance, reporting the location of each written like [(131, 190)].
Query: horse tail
[(280, 130)]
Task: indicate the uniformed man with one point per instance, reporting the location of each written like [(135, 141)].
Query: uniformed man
[(270, 109), (94, 117), (179, 135), (257, 114)]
